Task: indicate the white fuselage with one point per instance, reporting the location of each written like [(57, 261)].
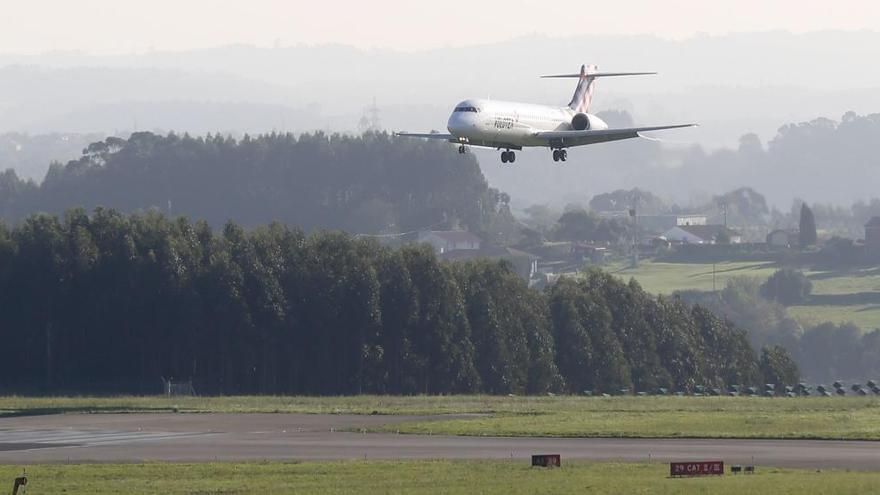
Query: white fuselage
[(503, 124)]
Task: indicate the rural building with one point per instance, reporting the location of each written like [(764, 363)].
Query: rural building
[(587, 251), (613, 214), (525, 264), (662, 223), (700, 234), (872, 235), (444, 241), (555, 250), (783, 238), (658, 242)]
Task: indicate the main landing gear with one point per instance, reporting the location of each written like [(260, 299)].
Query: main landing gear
[(560, 155), (508, 156)]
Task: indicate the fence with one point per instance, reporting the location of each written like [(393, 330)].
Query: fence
[(176, 389)]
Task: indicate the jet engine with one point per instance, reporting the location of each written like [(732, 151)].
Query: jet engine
[(587, 122), (580, 122)]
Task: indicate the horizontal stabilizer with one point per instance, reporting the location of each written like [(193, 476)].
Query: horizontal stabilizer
[(601, 74), (583, 95)]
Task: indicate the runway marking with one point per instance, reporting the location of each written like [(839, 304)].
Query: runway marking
[(49, 437)]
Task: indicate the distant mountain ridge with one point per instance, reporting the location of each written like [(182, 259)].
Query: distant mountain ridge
[(734, 84)]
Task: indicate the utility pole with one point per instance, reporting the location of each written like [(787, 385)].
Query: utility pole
[(634, 214), (724, 211)]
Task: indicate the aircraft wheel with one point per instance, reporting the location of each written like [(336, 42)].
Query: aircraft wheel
[(563, 155), (504, 157), (511, 156), (555, 155), (462, 150)]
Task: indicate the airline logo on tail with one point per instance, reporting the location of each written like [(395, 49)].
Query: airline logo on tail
[(583, 95)]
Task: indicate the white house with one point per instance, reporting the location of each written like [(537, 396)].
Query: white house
[(661, 223), (444, 241), (700, 234)]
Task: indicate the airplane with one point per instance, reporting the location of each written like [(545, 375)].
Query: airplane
[(513, 126)]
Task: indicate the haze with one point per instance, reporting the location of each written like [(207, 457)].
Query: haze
[(108, 26), (378, 222), (97, 68)]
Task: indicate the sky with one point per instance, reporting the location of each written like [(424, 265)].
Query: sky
[(126, 26)]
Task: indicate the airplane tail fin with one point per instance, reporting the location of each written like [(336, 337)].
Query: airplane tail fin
[(583, 95)]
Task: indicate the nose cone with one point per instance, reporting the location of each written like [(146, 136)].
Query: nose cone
[(460, 123)]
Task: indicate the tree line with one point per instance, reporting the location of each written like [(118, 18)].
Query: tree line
[(824, 352), (109, 302), (366, 184)]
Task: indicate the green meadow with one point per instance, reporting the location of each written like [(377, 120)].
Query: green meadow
[(563, 416), (420, 477), (847, 296)]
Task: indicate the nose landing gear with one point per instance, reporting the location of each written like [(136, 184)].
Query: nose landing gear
[(560, 155), (462, 149), (508, 156)]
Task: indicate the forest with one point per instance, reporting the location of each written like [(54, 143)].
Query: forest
[(104, 301), (361, 184)]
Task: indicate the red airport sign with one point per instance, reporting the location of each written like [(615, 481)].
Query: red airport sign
[(702, 468)]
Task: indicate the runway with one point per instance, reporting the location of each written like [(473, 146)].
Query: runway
[(236, 437)]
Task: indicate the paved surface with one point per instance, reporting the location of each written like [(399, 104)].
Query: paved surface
[(204, 437)]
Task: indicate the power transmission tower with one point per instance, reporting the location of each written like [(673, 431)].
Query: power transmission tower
[(634, 213), (370, 120), (724, 211)]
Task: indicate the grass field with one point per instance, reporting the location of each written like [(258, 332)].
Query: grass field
[(416, 477), (864, 316), (669, 417), (852, 296), (567, 416), (666, 278), (838, 296)]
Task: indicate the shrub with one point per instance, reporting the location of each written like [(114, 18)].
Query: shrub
[(787, 287)]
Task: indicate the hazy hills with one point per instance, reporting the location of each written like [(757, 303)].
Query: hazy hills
[(732, 85)]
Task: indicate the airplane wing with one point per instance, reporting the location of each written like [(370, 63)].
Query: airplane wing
[(567, 139), (428, 135)]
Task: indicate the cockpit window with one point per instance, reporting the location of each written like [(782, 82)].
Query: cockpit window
[(466, 109)]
